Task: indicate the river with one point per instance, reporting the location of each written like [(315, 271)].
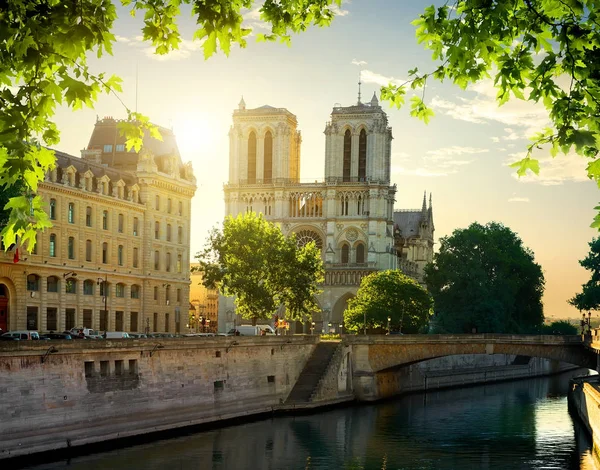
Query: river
[(512, 425)]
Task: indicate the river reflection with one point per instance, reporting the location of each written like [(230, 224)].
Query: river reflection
[(513, 425)]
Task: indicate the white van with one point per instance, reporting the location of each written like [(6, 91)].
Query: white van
[(22, 335), (249, 330), (116, 335)]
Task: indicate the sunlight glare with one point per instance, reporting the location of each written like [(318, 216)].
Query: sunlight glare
[(195, 134)]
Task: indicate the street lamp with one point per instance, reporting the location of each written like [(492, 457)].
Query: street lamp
[(341, 329), (312, 328), (104, 284), (388, 325), (329, 326)]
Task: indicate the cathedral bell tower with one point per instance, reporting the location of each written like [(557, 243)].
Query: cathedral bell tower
[(264, 145), (358, 144)]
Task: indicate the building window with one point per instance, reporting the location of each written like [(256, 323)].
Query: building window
[(178, 295), (133, 321), (155, 322), (88, 287), (53, 245), (180, 209), (168, 263), (268, 171), (107, 148), (135, 291), (362, 155), (121, 223), (135, 257), (252, 158), (71, 213), (345, 254), (32, 318), (120, 147), (168, 294), (155, 292), (105, 253), (120, 290), (71, 248), (157, 203), (53, 209), (88, 318), (120, 255), (88, 216), (135, 227), (105, 220), (179, 263), (168, 232), (347, 155), (360, 253), (71, 286), (156, 260), (169, 206), (167, 322), (103, 289), (52, 284), (88, 250), (69, 318), (51, 319), (157, 230), (179, 235)]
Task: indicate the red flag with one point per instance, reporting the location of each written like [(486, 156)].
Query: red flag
[(16, 257)]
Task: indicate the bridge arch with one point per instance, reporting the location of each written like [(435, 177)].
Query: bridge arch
[(378, 354)]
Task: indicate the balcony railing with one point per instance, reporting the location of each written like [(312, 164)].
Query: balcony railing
[(332, 180)]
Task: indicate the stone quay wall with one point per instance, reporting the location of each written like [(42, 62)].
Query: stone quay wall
[(584, 401), (62, 394)]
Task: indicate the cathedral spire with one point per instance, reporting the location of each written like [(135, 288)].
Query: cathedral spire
[(424, 208), (430, 210), (374, 101), (242, 104), (359, 84)]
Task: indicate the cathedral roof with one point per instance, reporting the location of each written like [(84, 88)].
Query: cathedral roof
[(408, 222)]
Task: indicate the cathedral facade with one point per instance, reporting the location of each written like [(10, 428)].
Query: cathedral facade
[(349, 214)]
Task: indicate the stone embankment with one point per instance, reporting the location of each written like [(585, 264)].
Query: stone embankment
[(57, 395)]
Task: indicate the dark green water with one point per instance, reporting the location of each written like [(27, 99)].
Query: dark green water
[(513, 425)]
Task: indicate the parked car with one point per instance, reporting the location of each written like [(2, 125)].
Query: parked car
[(249, 330), (116, 335), (63, 336), (9, 337), (23, 335), (84, 333), (138, 335)]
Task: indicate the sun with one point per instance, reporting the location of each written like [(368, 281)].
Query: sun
[(196, 136)]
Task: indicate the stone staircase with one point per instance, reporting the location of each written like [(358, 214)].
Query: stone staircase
[(313, 370)]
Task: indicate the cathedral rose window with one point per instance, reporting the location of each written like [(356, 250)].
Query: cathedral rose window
[(305, 236)]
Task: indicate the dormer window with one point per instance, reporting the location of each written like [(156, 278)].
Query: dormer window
[(108, 148), (120, 147)]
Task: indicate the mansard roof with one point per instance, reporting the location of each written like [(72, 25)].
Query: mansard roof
[(64, 160)]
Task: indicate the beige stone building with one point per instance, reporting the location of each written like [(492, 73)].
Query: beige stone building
[(204, 303), (117, 256), (349, 213)]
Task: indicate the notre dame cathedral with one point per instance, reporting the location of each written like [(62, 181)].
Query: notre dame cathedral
[(349, 214)]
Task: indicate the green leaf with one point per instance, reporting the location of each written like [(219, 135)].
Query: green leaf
[(525, 164)]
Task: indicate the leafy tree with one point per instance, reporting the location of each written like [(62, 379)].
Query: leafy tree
[(391, 294), (251, 259), (589, 297), (44, 45), (560, 327), (484, 278), (544, 51)]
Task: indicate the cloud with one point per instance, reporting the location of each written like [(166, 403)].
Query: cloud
[(525, 116), (338, 11), (518, 199), (122, 39), (368, 76), (360, 63), (554, 171), (443, 161)]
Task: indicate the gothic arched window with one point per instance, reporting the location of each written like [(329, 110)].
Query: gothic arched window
[(345, 253), (347, 155), (268, 173), (305, 236), (362, 155), (252, 157), (360, 253)]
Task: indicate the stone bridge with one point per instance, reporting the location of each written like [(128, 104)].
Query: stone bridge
[(376, 355)]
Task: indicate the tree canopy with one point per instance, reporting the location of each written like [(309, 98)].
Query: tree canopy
[(44, 50), (589, 297), (560, 327), (251, 259), (483, 278), (390, 294), (542, 51)]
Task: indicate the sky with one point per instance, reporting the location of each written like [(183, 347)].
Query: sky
[(461, 156)]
